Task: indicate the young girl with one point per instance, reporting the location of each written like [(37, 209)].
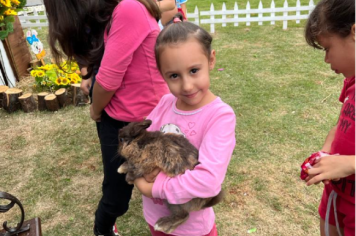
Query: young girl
[(331, 27), (184, 58), (116, 39)]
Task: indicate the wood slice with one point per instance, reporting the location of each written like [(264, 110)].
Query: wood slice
[(11, 101), (41, 101), (3, 88), (62, 97), (35, 63), (79, 98), (52, 103), (28, 102)]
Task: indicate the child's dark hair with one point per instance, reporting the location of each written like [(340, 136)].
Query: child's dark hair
[(78, 27), (180, 32), (330, 16)]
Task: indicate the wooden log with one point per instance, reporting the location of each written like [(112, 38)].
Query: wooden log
[(3, 88), (79, 98), (52, 103), (62, 97), (41, 101), (11, 101), (28, 103)]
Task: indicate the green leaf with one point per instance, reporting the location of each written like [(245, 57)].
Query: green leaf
[(9, 19), (3, 34)]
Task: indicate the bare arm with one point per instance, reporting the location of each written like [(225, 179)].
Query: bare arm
[(86, 83), (184, 9), (166, 5), (329, 139), (101, 98)]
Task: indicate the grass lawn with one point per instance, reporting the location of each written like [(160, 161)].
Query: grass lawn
[(285, 99)]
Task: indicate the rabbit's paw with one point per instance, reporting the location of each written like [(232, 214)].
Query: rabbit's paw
[(123, 168), (165, 225)]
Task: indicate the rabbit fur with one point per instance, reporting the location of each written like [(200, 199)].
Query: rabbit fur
[(145, 151)]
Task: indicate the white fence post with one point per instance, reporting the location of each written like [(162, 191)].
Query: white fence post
[(260, 14), (236, 16), (311, 5), (285, 15), (223, 14), (212, 18), (196, 12), (248, 15), (35, 13), (273, 14), (298, 12)]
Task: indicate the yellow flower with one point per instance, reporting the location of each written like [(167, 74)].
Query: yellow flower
[(10, 12), (1, 18), (43, 83), (58, 81), (34, 86), (40, 73), (65, 81), (34, 73), (6, 3), (45, 67), (16, 2)]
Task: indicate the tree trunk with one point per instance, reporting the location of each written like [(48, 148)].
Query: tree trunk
[(52, 103), (62, 97), (41, 101), (11, 101), (3, 88), (79, 98), (28, 102)]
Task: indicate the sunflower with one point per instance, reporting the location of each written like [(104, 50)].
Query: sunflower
[(34, 73), (16, 2), (40, 73), (43, 83), (10, 12), (5, 3), (58, 81), (65, 81)]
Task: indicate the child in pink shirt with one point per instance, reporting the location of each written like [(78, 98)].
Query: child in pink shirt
[(184, 58)]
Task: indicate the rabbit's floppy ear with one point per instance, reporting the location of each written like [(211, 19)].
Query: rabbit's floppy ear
[(139, 127), (29, 37)]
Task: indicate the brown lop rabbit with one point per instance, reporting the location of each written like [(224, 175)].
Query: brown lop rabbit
[(172, 153)]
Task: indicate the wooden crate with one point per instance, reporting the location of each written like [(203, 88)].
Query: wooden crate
[(17, 50)]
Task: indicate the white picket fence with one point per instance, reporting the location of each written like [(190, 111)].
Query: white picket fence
[(32, 18), (260, 11)]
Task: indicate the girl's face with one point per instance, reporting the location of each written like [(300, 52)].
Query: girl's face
[(185, 67), (340, 52)]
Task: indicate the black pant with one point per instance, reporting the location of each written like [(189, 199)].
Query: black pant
[(116, 191)]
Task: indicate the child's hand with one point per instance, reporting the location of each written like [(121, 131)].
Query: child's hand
[(331, 167), (144, 187), (151, 177)]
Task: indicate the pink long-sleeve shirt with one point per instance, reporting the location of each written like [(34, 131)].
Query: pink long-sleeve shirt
[(211, 129), (129, 65)]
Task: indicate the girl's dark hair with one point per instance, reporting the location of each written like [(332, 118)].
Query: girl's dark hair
[(78, 27), (330, 16), (180, 32)]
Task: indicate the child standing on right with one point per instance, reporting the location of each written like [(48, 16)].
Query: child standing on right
[(331, 27)]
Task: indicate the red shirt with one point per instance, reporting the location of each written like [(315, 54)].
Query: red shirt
[(344, 140)]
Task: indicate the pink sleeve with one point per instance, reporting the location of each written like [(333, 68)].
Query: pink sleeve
[(206, 178), (130, 26)]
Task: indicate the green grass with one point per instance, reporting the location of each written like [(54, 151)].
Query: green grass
[(285, 99)]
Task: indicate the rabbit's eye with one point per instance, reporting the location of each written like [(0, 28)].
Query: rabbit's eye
[(121, 140)]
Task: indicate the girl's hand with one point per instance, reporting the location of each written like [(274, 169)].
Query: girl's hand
[(331, 168), (144, 187), (85, 85), (96, 117), (151, 177)]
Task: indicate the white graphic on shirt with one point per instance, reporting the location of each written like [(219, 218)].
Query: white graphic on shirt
[(171, 128)]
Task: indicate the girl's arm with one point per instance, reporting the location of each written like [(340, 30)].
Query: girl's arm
[(214, 155), (184, 9), (101, 98), (166, 5), (329, 139)]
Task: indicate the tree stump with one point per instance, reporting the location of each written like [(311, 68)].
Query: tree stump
[(41, 101), (79, 98), (11, 101), (62, 97), (35, 63), (3, 88), (28, 103), (52, 103)]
